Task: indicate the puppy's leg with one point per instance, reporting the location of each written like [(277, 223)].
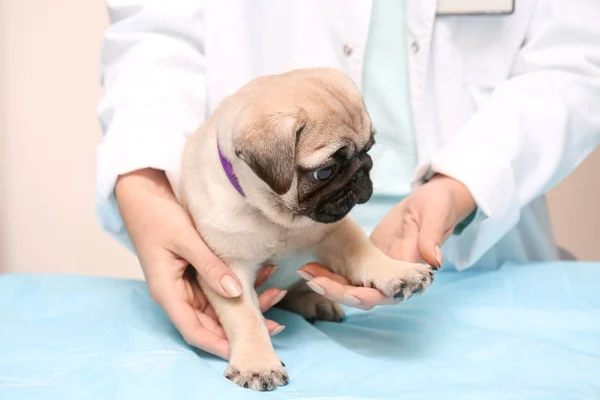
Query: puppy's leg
[(252, 363), (348, 251), (300, 299)]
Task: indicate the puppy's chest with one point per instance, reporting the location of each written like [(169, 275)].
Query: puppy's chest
[(257, 242)]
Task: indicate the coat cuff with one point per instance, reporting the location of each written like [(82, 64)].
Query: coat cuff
[(133, 141)]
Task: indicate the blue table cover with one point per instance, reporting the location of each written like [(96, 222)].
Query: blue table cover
[(520, 332)]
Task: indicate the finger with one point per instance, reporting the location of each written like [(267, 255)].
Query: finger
[(370, 297), (210, 268), (195, 294), (187, 323), (431, 236), (266, 300), (270, 297), (313, 270), (359, 297), (273, 327), (210, 322), (264, 274)]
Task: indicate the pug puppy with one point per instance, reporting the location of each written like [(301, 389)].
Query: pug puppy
[(275, 170)]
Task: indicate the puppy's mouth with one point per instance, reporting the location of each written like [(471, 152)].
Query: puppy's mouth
[(358, 190)]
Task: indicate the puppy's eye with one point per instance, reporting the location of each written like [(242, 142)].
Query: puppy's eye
[(323, 174)]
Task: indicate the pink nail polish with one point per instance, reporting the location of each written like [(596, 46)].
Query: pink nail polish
[(277, 330), (305, 275), (316, 288), (438, 257), (279, 297), (231, 286), (351, 300), (272, 272)]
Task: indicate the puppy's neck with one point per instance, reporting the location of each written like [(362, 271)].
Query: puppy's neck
[(280, 215)]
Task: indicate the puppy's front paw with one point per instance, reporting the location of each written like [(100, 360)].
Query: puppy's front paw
[(257, 375), (397, 279)]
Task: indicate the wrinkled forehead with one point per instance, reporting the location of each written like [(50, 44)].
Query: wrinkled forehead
[(327, 106), (328, 132)]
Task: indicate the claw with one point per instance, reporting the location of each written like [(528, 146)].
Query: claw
[(400, 293)]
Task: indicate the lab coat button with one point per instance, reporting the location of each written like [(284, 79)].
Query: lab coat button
[(415, 46), (348, 50)]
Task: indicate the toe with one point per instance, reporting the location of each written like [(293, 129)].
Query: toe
[(399, 291), (281, 378)]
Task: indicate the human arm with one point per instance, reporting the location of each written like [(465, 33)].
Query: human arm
[(153, 75), (166, 243), (533, 130)]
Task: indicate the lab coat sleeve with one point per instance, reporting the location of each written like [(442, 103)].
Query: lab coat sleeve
[(153, 75), (534, 129)]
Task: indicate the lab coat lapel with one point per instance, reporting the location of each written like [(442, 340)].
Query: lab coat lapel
[(420, 15)]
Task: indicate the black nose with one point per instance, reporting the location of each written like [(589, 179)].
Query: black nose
[(366, 160)]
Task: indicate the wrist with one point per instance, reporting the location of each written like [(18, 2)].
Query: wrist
[(145, 180), (464, 203)]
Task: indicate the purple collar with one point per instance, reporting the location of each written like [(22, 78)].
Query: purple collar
[(228, 168)]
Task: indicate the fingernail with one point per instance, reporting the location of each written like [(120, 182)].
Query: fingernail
[(351, 300), (272, 271), (305, 275), (279, 297), (316, 288), (231, 286), (277, 330), (438, 256)]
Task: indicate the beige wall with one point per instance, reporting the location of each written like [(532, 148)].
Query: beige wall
[(50, 53), (575, 210), (48, 93)]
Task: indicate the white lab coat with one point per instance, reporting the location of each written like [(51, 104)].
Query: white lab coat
[(509, 105)]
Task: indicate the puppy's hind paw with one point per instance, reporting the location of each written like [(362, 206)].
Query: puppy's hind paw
[(312, 306)]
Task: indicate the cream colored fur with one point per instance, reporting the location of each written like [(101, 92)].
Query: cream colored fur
[(246, 232)]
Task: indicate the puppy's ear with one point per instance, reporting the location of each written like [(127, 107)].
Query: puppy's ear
[(268, 146)]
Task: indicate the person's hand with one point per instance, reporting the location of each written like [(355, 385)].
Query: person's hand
[(168, 245), (416, 227), (412, 231)]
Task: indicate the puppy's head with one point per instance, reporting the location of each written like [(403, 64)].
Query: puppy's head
[(306, 135)]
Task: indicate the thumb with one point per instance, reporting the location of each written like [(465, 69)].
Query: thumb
[(431, 235), (210, 268), (314, 270)]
